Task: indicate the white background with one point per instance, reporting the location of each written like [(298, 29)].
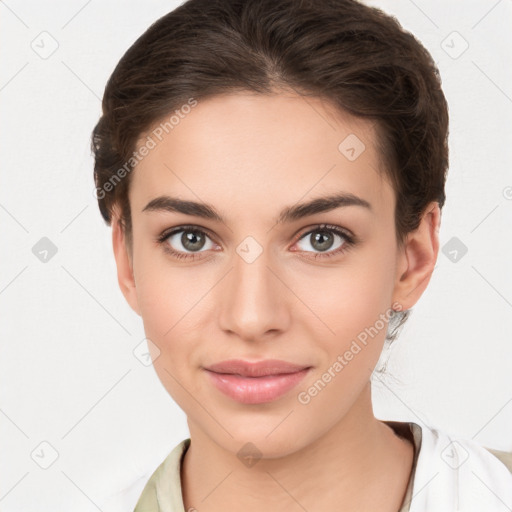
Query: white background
[(69, 376)]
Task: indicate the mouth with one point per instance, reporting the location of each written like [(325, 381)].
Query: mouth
[(256, 383)]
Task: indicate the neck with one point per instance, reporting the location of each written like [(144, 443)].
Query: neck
[(360, 462)]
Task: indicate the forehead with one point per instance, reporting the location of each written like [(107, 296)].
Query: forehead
[(260, 150)]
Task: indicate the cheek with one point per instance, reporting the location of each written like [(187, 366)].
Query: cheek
[(166, 293), (343, 301), (170, 318), (168, 314), (174, 306), (354, 310), (163, 305)]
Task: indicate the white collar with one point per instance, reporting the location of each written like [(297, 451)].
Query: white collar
[(458, 475)]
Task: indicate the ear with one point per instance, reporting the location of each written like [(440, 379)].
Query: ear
[(124, 264), (418, 258)]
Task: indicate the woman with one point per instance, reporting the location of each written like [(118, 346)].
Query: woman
[(274, 175)]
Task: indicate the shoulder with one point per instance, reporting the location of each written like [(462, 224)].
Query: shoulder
[(504, 457), (458, 473), (156, 491), (162, 492)]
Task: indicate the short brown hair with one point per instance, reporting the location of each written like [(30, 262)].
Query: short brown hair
[(356, 57)]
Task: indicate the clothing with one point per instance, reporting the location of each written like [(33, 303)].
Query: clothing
[(448, 475)]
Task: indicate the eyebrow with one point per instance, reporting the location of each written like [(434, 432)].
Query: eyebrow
[(288, 214)]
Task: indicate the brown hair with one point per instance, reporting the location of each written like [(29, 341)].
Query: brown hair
[(356, 57)]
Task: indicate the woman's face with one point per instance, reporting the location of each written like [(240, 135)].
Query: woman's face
[(265, 282)]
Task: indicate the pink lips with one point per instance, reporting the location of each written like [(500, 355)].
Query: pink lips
[(255, 383)]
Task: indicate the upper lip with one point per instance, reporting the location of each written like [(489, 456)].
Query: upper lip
[(255, 369)]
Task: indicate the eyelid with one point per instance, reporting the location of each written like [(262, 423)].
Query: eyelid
[(327, 227), (186, 227), (303, 232)]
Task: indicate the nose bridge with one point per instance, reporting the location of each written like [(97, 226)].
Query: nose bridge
[(251, 305)]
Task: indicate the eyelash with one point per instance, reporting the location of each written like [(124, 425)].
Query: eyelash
[(350, 241)]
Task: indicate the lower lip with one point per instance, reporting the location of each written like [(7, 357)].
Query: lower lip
[(256, 390)]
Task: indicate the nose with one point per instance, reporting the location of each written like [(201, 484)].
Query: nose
[(253, 300)]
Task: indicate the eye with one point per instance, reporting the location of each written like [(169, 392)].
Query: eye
[(184, 241), (323, 239)]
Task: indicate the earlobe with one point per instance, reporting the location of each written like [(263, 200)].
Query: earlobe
[(418, 258), (125, 275)]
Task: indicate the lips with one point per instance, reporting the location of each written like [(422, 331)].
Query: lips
[(256, 369), (255, 383)]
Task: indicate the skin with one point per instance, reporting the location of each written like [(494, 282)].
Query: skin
[(249, 156)]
